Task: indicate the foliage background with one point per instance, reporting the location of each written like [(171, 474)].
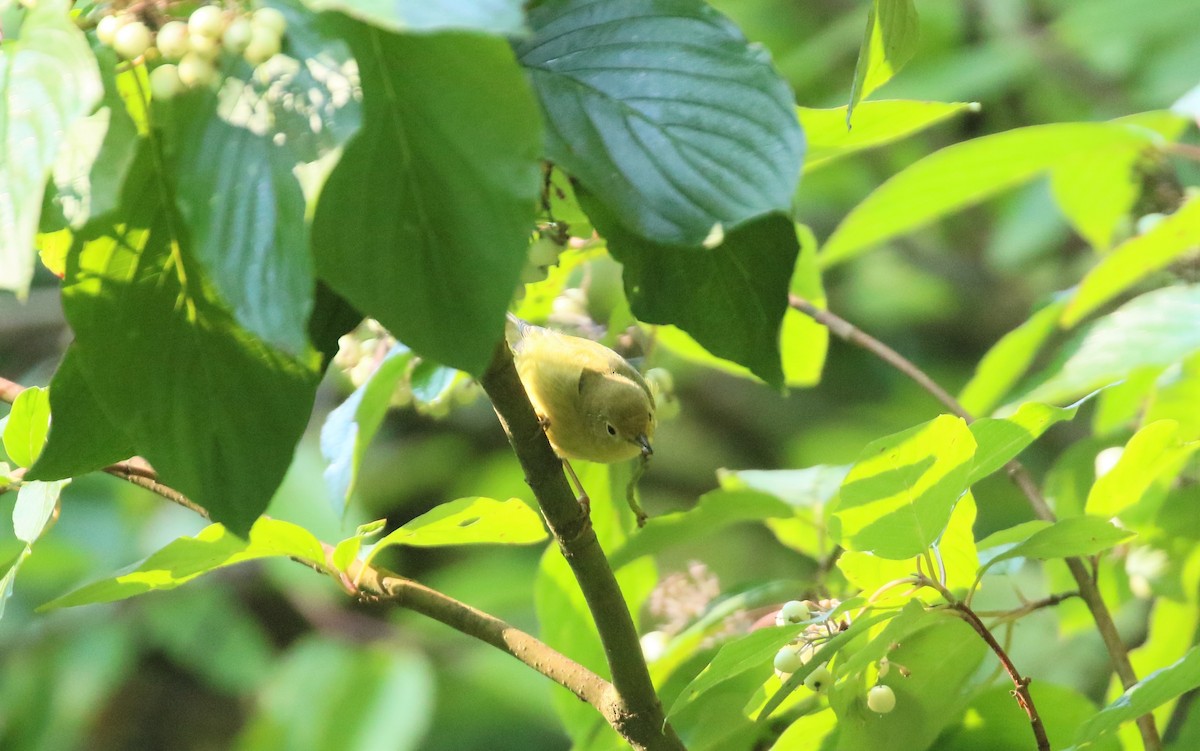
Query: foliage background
[(126, 676)]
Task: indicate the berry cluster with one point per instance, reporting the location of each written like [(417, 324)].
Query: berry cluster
[(192, 47)]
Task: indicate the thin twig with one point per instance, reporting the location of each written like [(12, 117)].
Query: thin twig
[(9, 390), (1118, 654), (1185, 150), (1006, 616)]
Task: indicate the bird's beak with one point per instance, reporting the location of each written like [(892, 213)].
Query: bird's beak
[(644, 442)]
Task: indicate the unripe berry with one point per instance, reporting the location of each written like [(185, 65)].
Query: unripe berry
[(787, 659), (270, 19), (107, 28), (195, 70), (264, 44), (793, 611), (881, 699), (132, 40), (205, 46), (1148, 222), (165, 82), (237, 36), (206, 21), (172, 40), (819, 679), (544, 252)]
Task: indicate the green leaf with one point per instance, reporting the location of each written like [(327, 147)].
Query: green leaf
[(214, 410), (664, 112), (966, 173), (469, 521), (803, 342), (1096, 193), (1154, 451), (496, 17), (1134, 259), (1008, 359), (83, 438), (35, 506), (246, 214), (731, 299), (436, 194), (889, 43), (349, 428), (808, 491), (875, 124), (1067, 538), (27, 426), (48, 80), (1001, 439), (994, 725), (1157, 328), (898, 497), (1150, 692), (713, 512), (328, 693), (1013, 535), (186, 558)]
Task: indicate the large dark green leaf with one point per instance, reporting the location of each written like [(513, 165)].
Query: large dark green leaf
[(83, 438), (664, 112), (731, 298), (425, 221), (48, 80), (213, 408)]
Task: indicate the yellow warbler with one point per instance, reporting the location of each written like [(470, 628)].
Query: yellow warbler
[(595, 405)]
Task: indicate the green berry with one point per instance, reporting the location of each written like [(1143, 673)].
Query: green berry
[(270, 19), (205, 46), (237, 36), (196, 70), (206, 21), (793, 611), (819, 679), (172, 40), (165, 82), (264, 44), (132, 40), (881, 699)]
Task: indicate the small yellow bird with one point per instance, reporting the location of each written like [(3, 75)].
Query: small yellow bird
[(595, 405)]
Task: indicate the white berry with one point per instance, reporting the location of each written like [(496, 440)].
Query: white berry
[(264, 44), (793, 611), (195, 70), (271, 19), (819, 679), (205, 46), (172, 40), (165, 82), (787, 659), (132, 40), (237, 36), (107, 28), (881, 699), (206, 21)]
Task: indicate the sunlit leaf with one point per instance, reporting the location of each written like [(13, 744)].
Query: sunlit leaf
[(899, 495), (497, 17), (875, 124), (889, 43), (35, 506), (27, 426), (1133, 259), (1008, 359), (1066, 538), (1155, 450), (469, 521), (1003, 438), (1096, 193)]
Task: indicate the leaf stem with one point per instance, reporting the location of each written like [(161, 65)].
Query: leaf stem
[(1118, 654)]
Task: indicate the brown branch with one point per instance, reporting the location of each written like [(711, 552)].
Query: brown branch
[(1185, 150), (1118, 654), (1013, 614), (642, 722), (9, 390)]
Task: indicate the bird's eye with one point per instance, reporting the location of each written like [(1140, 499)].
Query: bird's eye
[(611, 429)]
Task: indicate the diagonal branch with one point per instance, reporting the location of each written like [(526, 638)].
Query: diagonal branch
[(1088, 591), (643, 724)]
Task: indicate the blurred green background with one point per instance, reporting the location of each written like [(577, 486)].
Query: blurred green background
[(272, 656)]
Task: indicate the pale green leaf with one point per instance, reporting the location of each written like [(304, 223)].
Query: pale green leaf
[(1096, 192), (36, 502), (1155, 450), (1134, 259), (27, 425), (898, 497), (966, 173), (1150, 692), (1076, 536), (48, 80), (1157, 328), (889, 43), (496, 17), (875, 124)]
